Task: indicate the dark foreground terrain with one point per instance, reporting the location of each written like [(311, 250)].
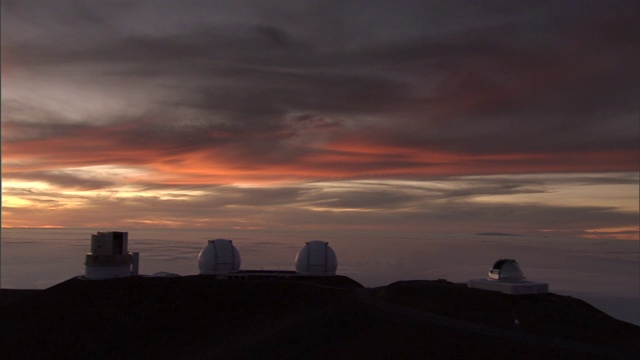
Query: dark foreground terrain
[(198, 317)]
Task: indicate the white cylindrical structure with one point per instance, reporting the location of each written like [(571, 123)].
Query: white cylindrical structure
[(107, 272), (109, 257), (220, 256), (316, 258)]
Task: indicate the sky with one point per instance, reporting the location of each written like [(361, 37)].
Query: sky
[(413, 116)]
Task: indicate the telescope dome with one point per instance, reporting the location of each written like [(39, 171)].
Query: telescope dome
[(506, 269), (220, 256), (316, 258)]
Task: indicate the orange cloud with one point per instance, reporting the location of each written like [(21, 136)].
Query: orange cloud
[(343, 158)]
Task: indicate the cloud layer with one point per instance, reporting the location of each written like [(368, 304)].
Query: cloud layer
[(200, 96)]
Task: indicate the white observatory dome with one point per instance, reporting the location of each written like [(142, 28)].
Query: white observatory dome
[(220, 256), (316, 258), (506, 269)]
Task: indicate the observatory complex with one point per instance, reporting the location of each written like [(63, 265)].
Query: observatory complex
[(507, 277), (220, 259), (109, 257)]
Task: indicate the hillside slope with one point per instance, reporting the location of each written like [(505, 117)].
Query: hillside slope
[(197, 317)]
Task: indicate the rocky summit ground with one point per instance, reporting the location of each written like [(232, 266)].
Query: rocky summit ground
[(199, 317)]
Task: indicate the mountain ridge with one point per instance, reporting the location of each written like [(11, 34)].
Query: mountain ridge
[(200, 317)]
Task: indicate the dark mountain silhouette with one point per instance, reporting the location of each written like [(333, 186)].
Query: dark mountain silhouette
[(199, 317)]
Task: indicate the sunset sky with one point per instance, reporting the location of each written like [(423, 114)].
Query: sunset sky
[(423, 116)]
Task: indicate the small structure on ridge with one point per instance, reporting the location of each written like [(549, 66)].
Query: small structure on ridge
[(507, 277)]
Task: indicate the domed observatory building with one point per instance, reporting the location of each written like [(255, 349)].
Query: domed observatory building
[(506, 269), (507, 277), (109, 257), (219, 257), (316, 258)]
